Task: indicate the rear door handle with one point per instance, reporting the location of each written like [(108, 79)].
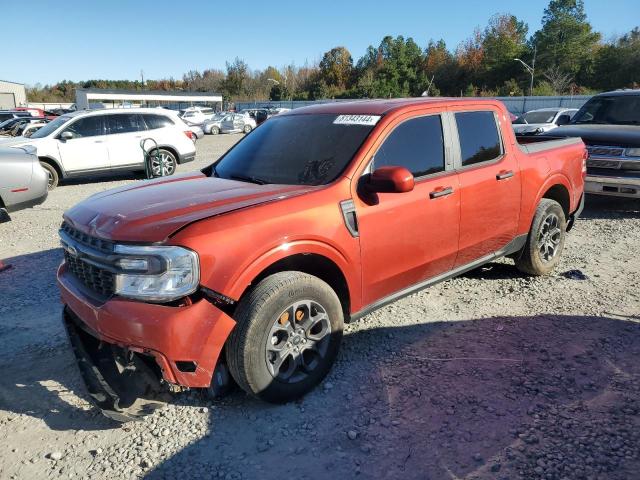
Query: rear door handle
[(441, 192), (504, 174)]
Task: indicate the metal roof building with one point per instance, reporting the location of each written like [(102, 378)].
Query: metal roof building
[(118, 98), (12, 95)]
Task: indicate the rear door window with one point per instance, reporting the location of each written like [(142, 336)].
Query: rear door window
[(157, 121), (125, 123), (479, 137), (416, 144)]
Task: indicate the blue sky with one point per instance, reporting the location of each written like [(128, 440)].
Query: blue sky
[(50, 41)]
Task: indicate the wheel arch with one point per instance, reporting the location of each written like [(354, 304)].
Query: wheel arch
[(316, 263), (172, 151), (560, 194)]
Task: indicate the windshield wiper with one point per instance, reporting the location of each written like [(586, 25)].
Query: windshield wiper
[(248, 178)]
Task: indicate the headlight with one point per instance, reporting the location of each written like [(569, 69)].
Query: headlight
[(632, 152), (156, 273)]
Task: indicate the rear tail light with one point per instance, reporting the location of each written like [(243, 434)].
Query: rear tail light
[(190, 134)]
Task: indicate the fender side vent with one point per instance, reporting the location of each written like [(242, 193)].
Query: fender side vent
[(350, 217)]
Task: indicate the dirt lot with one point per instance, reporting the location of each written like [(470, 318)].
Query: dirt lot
[(491, 375)]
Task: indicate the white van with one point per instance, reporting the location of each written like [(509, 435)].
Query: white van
[(86, 142)]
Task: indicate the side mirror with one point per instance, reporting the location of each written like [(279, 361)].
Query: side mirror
[(390, 179), (66, 135), (563, 120)]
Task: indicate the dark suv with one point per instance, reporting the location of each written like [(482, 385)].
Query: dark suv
[(609, 124)]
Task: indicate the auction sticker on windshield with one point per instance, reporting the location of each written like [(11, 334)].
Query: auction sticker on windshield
[(356, 120)]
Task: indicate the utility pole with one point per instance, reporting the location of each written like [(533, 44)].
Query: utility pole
[(142, 77)]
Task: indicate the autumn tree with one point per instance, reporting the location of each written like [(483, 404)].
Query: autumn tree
[(336, 68)]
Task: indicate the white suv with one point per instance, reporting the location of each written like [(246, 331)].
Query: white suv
[(87, 142)]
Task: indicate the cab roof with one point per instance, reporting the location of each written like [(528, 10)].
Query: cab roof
[(384, 106)]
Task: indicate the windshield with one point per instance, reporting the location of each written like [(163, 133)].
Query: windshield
[(297, 149), (620, 110), (50, 127), (536, 117)]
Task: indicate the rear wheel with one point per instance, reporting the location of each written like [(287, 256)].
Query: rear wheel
[(546, 239), (288, 333), (215, 130), (247, 128), (163, 163), (52, 173)]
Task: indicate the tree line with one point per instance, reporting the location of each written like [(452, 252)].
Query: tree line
[(568, 55)]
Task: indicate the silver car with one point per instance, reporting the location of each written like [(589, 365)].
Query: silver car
[(542, 120), (212, 126), (23, 182), (237, 123)]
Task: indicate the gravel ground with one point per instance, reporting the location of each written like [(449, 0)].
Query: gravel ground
[(490, 375)]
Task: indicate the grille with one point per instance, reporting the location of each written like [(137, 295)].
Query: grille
[(606, 151), (95, 278), (93, 242), (100, 280)]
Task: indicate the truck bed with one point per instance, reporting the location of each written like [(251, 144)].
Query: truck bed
[(536, 144)]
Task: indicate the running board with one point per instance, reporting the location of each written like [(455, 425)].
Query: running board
[(512, 247)]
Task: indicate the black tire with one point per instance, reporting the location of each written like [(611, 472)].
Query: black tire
[(257, 315), (54, 178), (548, 234), (247, 128), (168, 160), (215, 130)]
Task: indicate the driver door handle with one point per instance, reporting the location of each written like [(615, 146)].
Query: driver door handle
[(504, 174), (441, 192)]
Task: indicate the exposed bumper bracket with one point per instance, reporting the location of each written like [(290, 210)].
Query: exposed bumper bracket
[(119, 382)]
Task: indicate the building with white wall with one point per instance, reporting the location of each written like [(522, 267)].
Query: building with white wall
[(133, 98), (12, 95)]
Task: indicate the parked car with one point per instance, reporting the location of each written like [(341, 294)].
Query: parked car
[(103, 141), (542, 120), (197, 131), (8, 126), (9, 114), (30, 128), (23, 182), (258, 114), (237, 123), (213, 126), (196, 115), (37, 112), (609, 123), (253, 264)]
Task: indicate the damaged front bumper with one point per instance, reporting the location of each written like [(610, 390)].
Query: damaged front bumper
[(133, 353)]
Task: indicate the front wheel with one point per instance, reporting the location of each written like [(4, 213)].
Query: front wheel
[(546, 239), (287, 336), (247, 128), (215, 130)]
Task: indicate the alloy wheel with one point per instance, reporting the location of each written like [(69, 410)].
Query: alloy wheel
[(549, 237), (298, 341), (163, 165)]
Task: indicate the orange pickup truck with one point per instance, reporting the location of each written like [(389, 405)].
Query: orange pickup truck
[(248, 269)]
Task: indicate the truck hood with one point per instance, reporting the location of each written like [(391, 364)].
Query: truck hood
[(613, 135), (150, 211)]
